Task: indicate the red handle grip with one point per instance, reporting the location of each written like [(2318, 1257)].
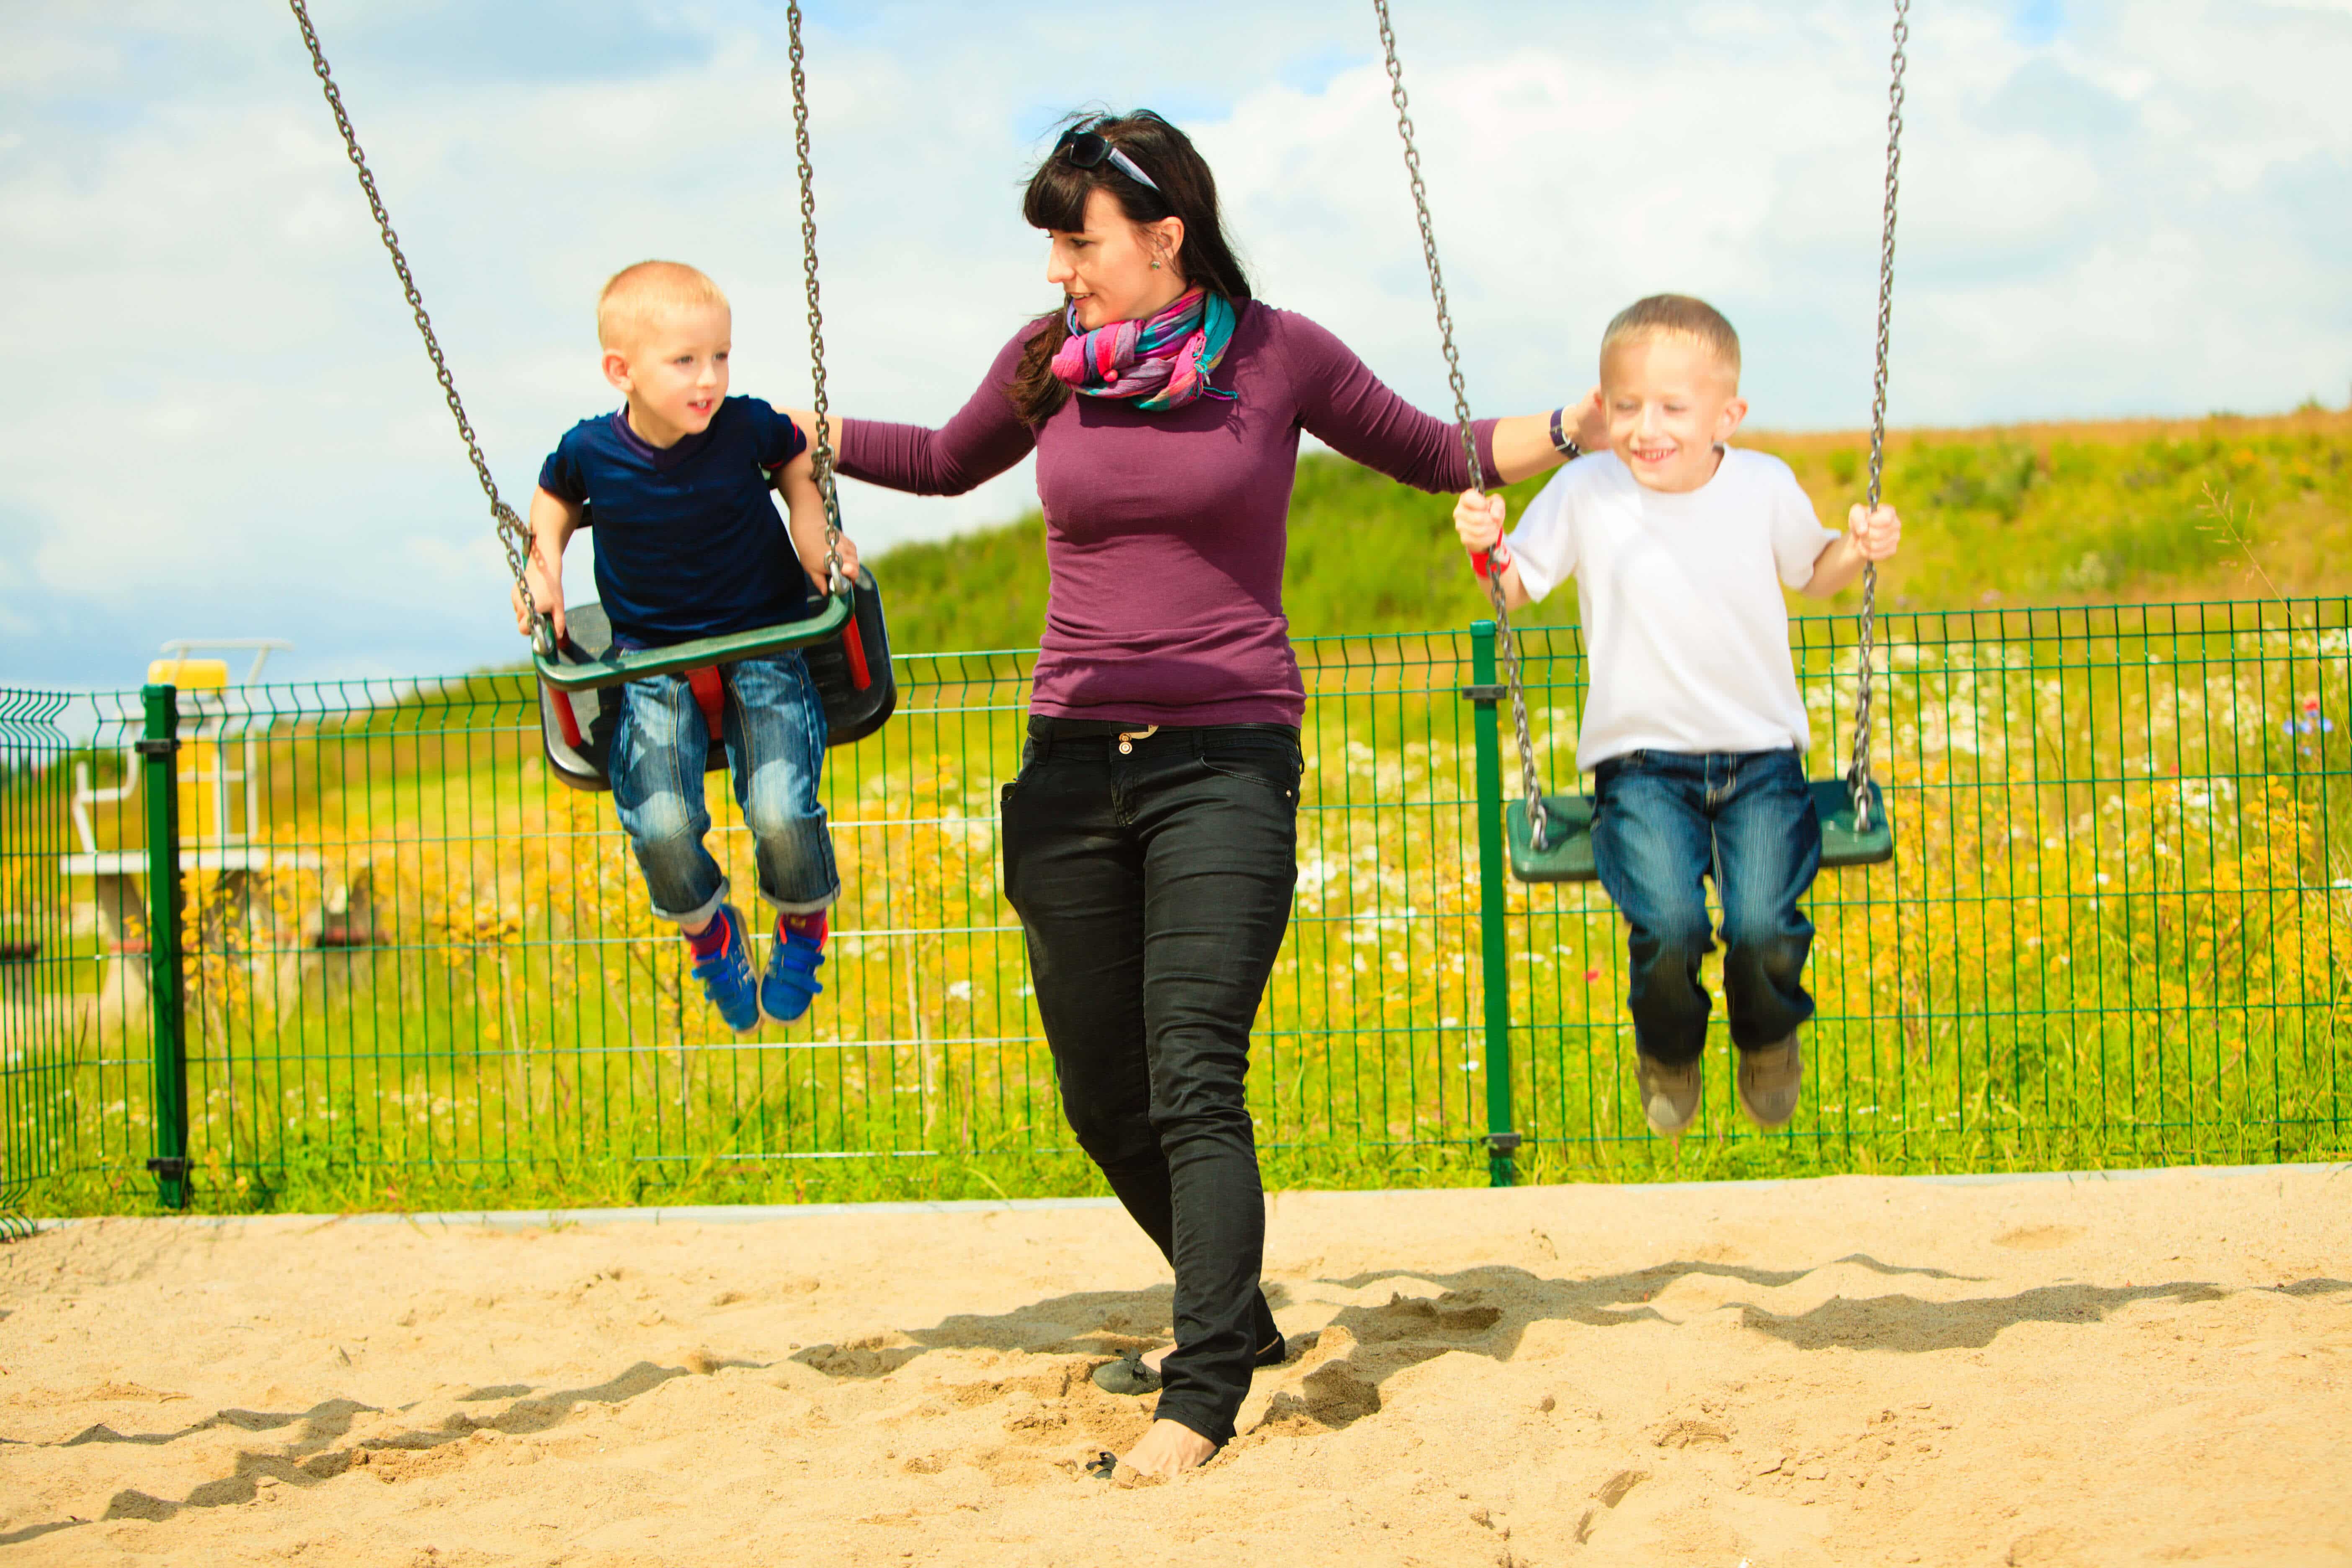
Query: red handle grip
[(1500, 558)]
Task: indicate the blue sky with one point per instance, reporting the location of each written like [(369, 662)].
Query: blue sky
[(222, 422)]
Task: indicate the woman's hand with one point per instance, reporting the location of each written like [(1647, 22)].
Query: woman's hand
[(1478, 522), (1876, 531), (1587, 423)]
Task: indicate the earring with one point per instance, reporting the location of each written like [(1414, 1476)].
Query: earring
[(1155, 267)]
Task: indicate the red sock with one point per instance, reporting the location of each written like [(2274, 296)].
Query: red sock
[(711, 938), (812, 926)]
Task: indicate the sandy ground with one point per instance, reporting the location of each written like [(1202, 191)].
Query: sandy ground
[(2148, 1369)]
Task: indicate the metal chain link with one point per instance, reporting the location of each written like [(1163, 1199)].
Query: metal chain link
[(1858, 775), (513, 536), (1531, 783), (820, 451)]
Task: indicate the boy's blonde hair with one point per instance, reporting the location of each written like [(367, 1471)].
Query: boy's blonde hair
[(636, 297), (1675, 315)]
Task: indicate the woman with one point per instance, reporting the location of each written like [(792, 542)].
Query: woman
[(1150, 840)]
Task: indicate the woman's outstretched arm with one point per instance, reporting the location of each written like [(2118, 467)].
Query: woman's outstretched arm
[(983, 438), (1342, 401), (1523, 441)]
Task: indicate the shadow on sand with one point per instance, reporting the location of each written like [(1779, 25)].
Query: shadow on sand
[(316, 1452), (1488, 1310)]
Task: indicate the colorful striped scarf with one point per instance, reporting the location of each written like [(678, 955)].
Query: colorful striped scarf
[(1163, 363)]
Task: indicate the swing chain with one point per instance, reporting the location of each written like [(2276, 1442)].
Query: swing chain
[(1529, 783), (821, 448), (514, 537), (1858, 777)]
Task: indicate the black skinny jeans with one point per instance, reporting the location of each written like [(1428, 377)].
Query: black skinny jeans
[(1154, 885)]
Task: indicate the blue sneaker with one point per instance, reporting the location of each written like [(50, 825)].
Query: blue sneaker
[(726, 975), (791, 983)]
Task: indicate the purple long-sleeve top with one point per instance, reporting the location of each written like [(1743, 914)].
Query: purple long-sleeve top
[(1165, 533)]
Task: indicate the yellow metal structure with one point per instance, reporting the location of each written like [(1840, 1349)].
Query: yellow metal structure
[(217, 770), (189, 673)]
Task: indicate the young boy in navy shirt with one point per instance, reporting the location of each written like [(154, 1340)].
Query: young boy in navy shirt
[(675, 484), (1680, 544)]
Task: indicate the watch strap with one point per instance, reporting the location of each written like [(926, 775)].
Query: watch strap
[(1561, 441)]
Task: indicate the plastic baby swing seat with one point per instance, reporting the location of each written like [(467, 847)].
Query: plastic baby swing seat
[(1566, 854), (846, 644)]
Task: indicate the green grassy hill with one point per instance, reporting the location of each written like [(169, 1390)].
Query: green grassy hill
[(2057, 513)]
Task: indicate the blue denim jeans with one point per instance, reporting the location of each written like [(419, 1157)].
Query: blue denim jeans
[(773, 729), (1665, 821)]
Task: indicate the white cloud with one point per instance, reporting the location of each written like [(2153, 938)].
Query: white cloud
[(222, 414)]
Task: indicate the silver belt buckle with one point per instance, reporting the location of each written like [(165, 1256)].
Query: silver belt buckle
[(1128, 738)]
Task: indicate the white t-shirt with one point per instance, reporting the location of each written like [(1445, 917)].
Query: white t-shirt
[(1683, 623)]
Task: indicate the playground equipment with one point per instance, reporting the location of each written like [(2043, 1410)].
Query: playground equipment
[(1551, 836), (218, 775)]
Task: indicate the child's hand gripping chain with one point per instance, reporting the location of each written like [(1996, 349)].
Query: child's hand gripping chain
[(1479, 523), (552, 523), (1872, 534), (1875, 531)]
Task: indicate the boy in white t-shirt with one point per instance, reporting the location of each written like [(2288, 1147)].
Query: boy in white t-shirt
[(1679, 545)]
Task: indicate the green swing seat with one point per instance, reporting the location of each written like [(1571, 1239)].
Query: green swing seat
[(584, 666), (846, 644), (1566, 854)]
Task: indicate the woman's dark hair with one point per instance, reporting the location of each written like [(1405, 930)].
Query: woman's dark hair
[(1056, 199)]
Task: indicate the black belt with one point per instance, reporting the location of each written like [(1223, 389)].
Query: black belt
[(1046, 728)]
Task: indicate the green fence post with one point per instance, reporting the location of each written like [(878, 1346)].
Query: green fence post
[(160, 785), (1502, 1142)]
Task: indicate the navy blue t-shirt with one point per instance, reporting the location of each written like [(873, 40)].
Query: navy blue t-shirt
[(687, 543)]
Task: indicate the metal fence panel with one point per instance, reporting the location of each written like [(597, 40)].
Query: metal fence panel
[(2115, 929), (2117, 926), (73, 1093)]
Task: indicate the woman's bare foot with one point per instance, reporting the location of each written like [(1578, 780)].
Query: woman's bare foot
[(1169, 1449)]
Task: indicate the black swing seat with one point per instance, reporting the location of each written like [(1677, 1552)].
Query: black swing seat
[(846, 644), (1566, 854)]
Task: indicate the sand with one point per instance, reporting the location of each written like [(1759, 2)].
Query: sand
[(2156, 1369)]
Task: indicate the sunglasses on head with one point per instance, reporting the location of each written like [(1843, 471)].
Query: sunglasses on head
[(1082, 147)]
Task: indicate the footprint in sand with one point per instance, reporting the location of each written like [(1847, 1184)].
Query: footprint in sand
[(2038, 1237), (1338, 1382), (878, 1356)]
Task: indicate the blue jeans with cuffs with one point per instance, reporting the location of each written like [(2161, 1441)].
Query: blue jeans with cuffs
[(773, 729), (1665, 821)]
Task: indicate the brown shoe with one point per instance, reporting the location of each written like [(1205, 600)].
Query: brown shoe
[(1670, 1096), (1772, 1079)]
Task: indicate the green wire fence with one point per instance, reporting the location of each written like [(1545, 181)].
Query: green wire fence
[(2116, 930)]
